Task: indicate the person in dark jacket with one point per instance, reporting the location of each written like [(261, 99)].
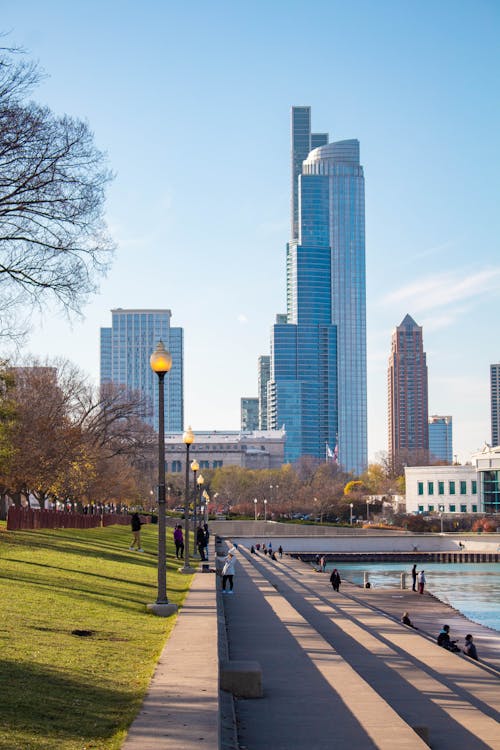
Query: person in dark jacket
[(179, 542), (470, 649), (414, 577), (335, 579), (135, 524), (200, 542), (406, 621), (445, 641)]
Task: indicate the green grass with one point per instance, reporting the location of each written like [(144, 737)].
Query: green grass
[(59, 690)]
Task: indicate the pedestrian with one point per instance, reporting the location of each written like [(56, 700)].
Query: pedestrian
[(414, 577), (270, 548), (135, 524), (200, 542), (421, 582), (252, 550), (207, 538), (470, 648), (444, 640), (273, 555), (280, 551), (335, 579), (322, 563), (317, 559), (179, 542), (228, 571), (264, 549), (406, 620)]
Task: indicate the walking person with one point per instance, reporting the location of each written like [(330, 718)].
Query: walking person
[(200, 542), (280, 551), (179, 542), (135, 524), (414, 577), (322, 563), (228, 571), (335, 579), (421, 582)]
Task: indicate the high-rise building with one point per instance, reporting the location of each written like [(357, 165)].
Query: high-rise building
[(125, 351), (408, 400), (495, 404), (441, 439), (249, 413), (264, 370), (317, 386)]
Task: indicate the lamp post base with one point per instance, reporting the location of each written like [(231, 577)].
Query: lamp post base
[(187, 570), (162, 610)]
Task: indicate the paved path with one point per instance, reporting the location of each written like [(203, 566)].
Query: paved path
[(337, 672)]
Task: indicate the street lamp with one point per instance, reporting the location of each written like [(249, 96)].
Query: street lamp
[(194, 468), (265, 509), (255, 506), (188, 440), (367, 511), (161, 362), (351, 506)]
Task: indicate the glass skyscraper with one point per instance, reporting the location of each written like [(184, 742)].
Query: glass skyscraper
[(125, 351), (317, 386), (441, 438)]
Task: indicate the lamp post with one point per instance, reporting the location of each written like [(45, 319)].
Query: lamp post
[(351, 506), (194, 468), (255, 507), (188, 440), (265, 509), (367, 511), (161, 362)]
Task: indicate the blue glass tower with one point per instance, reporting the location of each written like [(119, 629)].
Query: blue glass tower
[(125, 351), (317, 387)]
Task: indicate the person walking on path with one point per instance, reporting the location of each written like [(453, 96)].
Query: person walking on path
[(135, 524), (414, 577), (421, 582), (200, 542), (470, 649), (322, 564), (179, 542), (228, 571), (280, 551), (335, 579)]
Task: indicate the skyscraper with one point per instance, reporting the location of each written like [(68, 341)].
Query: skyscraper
[(264, 369), (495, 404), (125, 351), (408, 400), (317, 387), (441, 438), (249, 413)]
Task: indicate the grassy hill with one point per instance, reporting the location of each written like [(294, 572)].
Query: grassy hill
[(65, 691)]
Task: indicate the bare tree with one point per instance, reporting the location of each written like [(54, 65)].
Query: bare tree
[(53, 239)]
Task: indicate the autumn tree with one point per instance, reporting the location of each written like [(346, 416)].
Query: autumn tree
[(53, 240)]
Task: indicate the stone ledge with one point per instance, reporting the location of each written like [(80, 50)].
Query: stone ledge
[(241, 678)]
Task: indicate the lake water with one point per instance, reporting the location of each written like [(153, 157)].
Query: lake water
[(472, 588)]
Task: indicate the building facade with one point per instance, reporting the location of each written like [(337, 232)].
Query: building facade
[(317, 386), (263, 376), (260, 449), (442, 489), (441, 438), (125, 351), (407, 396), (249, 413), (495, 403), (487, 464)]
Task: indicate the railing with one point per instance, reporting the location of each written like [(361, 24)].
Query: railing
[(27, 518)]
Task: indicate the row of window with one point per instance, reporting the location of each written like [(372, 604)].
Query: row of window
[(451, 487), (451, 509), (177, 466)]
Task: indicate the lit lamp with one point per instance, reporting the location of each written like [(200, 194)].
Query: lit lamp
[(188, 440), (265, 509), (255, 506), (194, 468), (351, 506), (161, 362)]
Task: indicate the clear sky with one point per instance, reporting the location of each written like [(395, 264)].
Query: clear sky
[(191, 101)]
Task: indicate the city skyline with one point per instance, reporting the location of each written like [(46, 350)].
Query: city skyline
[(193, 126)]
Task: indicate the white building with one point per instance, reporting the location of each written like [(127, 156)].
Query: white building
[(487, 464), (442, 489)]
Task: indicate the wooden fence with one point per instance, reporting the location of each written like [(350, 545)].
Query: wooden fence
[(27, 518)]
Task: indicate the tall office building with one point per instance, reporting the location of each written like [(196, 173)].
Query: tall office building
[(317, 386), (125, 351), (408, 400), (495, 404), (441, 439), (249, 414), (263, 370)]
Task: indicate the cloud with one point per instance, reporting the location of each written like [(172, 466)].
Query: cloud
[(444, 290), (242, 318)]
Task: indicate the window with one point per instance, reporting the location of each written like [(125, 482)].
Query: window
[(474, 487), (431, 508), (474, 508), (463, 509), (452, 488), (441, 508), (176, 466), (430, 488), (452, 508), (441, 488), (420, 508), (463, 488), (217, 464), (420, 488)]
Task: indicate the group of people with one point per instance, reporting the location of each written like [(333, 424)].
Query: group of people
[(418, 579), (202, 539), (445, 641), (267, 550)]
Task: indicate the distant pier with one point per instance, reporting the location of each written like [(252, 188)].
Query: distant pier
[(414, 556)]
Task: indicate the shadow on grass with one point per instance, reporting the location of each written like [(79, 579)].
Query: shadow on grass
[(40, 702)]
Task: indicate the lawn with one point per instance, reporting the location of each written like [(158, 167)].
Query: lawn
[(78, 692)]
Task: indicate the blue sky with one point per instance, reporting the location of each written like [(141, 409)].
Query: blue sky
[(191, 102)]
